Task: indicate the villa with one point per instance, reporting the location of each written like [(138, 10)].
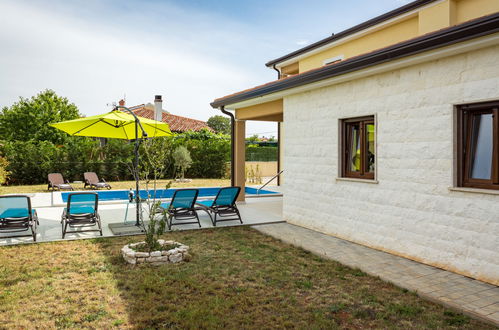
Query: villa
[(389, 134)]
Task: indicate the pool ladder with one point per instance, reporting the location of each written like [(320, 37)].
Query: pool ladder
[(269, 181)]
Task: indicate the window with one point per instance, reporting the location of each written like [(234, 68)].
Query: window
[(358, 148), (478, 145)]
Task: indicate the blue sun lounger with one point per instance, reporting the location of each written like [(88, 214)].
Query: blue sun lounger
[(81, 211), (182, 208), (223, 206), (16, 215)]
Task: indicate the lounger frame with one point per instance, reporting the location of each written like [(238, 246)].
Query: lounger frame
[(182, 214), (226, 212), (80, 220), (20, 224)]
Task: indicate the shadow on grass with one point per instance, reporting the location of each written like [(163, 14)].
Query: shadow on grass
[(240, 278)]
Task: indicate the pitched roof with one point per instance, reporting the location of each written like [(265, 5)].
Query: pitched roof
[(469, 30), (176, 123), (362, 26)]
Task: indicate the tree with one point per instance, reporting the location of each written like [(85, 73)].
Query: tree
[(29, 119), (182, 159), (220, 124)]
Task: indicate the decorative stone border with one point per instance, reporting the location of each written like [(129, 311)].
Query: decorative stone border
[(176, 255)]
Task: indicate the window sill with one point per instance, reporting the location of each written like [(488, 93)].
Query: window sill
[(357, 180), (475, 190)]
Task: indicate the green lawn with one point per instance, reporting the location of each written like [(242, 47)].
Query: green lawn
[(237, 278), (118, 185)]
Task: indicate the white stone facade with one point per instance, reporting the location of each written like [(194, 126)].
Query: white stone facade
[(410, 211)]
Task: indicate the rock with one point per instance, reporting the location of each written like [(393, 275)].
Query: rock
[(175, 257), (140, 260), (142, 254), (132, 261), (182, 248), (161, 241), (155, 254), (162, 259), (130, 254), (168, 243), (165, 253)]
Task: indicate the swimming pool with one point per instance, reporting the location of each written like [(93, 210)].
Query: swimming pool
[(122, 195)]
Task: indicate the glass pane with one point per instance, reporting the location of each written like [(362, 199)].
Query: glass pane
[(354, 148), (370, 148), (481, 146)]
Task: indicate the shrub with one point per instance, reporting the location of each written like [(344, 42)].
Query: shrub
[(3, 170)]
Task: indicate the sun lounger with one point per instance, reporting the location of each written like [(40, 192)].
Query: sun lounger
[(223, 206), (16, 215), (182, 208), (92, 181), (56, 181), (81, 211)]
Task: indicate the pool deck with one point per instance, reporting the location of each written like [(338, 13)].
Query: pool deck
[(262, 210)]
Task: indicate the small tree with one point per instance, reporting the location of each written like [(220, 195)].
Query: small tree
[(154, 164), (220, 124), (182, 160)]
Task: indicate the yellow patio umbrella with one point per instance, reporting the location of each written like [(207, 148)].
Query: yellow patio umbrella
[(114, 125), (118, 125)]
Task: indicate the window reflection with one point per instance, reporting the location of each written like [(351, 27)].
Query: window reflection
[(481, 146)]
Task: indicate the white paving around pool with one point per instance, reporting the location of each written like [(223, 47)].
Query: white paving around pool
[(262, 210)]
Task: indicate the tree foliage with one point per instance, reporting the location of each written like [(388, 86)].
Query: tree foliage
[(182, 159), (220, 124), (29, 119)]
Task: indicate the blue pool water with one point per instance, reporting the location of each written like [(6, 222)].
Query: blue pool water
[(116, 195)]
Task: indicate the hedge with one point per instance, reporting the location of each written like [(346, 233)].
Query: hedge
[(261, 154), (29, 162)]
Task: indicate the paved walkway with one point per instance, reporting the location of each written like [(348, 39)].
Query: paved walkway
[(472, 297)]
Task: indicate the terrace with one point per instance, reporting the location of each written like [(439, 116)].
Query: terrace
[(117, 214)]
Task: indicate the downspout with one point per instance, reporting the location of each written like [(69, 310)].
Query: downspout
[(232, 144), (278, 72), (278, 137)]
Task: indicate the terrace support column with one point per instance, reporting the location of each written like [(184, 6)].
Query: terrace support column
[(240, 157), (280, 151)]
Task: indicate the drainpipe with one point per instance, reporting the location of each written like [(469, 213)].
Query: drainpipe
[(278, 72), (232, 144)]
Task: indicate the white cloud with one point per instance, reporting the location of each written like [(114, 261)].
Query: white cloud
[(96, 62)]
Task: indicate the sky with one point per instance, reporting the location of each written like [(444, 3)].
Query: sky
[(191, 52)]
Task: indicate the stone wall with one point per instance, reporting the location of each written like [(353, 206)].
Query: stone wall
[(410, 211)]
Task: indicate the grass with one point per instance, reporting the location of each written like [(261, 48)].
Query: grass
[(118, 185), (237, 278)]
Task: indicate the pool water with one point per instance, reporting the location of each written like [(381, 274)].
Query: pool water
[(117, 195)]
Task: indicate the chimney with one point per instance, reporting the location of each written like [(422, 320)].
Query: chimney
[(121, 103), (158, 108)]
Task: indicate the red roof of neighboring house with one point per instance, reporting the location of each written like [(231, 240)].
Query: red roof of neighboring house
[(176, 123)]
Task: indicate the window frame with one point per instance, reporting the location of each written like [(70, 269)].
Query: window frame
[(363, 174), (465, 115)]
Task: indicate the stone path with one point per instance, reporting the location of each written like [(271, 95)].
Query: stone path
[(474, 298)]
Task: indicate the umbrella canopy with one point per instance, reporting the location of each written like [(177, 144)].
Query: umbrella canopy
[(113, 125)]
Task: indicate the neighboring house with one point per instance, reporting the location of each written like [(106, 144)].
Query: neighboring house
[(389, 133), (178, 124)]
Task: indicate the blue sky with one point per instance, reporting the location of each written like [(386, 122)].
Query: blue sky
[(95, 52)]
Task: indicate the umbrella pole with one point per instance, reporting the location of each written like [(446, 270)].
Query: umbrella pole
[(136, 165)]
